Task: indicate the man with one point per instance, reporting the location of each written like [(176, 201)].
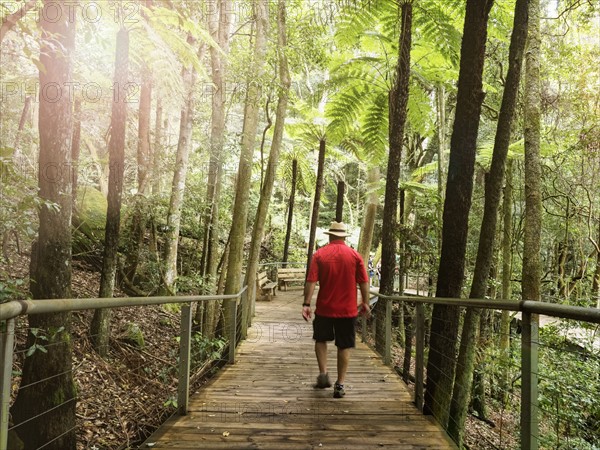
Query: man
[(338, 269)]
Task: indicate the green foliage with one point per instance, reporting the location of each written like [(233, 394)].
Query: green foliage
[(205, 349)]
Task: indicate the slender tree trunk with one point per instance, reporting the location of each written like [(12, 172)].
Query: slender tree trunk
[(219, 29), (75, 149), (100, 326), (339, 208), (288, 231), (366, 233), (267, 187), (441, 131), (596, 279), (533, 171), (47, 379), (398, 104), (17, 157), (178, 185), (459, 187), (251, 112), (144, 167), (157, 153), (314, 218), (507, 214), (487, 234)]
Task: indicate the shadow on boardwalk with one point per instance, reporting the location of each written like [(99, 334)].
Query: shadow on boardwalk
[(266, 400)]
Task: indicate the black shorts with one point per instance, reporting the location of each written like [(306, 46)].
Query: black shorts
[(342, 329)]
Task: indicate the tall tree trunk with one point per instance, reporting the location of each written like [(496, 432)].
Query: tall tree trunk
[(17, 157), (157, 151), (339, 208), (596, 279), (288, 231), (459, 187), (219, 26), (314, 218), (398, 104), (507, 215), (487, 233), (441, 132), (372, 202), (138, 221), (75, 149), (267, 187), (533, 171), (100, 326), (179, 177), (251, 112), (47, 380)]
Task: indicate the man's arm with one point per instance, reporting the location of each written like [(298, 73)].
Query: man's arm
[(364, 293), (309, 289)]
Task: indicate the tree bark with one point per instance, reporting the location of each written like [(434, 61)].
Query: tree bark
[(314, 218), (398, 105), (487, 234), (17, 157), (47, 380), (398, 102), (179, 177), (138, 221), (75, 149), (507, 214), (372, 203), (533, 172), (288, 231), (339, 208), (157, 151), (219, 28), (100, 326), (459, 187), (269, 179), (251, 112)]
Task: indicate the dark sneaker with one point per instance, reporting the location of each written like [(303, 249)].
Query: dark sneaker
[(322, 381), (338, 390)]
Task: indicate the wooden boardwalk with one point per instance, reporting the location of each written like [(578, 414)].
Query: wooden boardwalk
[(266, 399)]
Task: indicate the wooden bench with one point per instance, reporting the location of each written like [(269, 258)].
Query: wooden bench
[(285, 276), (265, 287)]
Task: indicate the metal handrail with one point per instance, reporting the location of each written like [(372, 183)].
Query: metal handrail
[(529, 345), (10, 310)]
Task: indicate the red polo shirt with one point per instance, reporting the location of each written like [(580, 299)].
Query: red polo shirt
[(338, 268)]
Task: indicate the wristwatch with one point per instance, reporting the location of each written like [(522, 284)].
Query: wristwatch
[(306, 304)]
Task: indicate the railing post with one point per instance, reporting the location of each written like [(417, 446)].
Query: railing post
[(232, 329), (419, 356), (7, 339), (529, 385), (387, 357), (185, 339)]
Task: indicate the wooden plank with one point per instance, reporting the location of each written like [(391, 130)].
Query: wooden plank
[(266, 400)]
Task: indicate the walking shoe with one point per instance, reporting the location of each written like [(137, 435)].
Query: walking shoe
[(323, 381), (338, 390)]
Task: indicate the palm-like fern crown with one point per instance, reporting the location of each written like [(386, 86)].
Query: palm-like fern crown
[(362, 75)]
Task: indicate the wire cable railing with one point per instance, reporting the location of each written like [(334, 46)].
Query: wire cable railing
[(522, 373), (196, 354)]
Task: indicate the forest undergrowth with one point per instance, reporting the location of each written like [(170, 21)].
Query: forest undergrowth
[(121, 399)]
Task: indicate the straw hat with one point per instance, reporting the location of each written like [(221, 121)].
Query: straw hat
[(337, 229)]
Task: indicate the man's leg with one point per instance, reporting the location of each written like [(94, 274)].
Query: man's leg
[(321, 352), (343, 356)]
